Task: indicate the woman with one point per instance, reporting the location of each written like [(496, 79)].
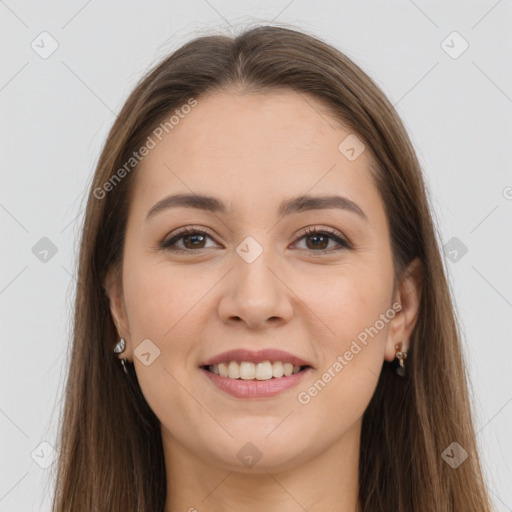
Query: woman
[(262, 318)]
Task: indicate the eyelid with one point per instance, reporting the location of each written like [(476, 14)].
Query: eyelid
[(315, 228), (180, 232)]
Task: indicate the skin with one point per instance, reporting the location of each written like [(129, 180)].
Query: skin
[(252, 151)]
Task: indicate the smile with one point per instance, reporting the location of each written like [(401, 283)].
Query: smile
[(247, 370), (250, 380)]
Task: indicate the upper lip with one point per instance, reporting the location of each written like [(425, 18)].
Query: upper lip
[(269, 354)]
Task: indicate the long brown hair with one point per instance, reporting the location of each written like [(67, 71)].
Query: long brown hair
[(111, 455)]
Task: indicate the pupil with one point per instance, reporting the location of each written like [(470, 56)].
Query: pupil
[(188, 237), (316, 237)]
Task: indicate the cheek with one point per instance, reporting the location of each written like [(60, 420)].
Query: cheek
[(348, 299), (159, 297), (351, 359), (163, 304), (355, 311)]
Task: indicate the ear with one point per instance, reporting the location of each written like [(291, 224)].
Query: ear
[(114, 289), (408, 294)]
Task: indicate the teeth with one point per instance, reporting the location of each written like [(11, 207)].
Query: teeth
[(234, 370), (250, 371)]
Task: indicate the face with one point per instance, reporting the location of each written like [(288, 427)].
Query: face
[(316, 283)]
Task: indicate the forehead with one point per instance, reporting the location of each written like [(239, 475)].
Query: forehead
[(255, 149)]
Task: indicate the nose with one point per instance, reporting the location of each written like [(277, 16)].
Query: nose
[(256, 295)]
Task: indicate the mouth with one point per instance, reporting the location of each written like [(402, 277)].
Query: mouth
[(247, 364), (247, 370), (261, 380)]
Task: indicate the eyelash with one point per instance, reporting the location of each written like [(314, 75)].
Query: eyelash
[(333, 235)]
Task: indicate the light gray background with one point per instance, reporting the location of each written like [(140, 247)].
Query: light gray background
[(56, 113)]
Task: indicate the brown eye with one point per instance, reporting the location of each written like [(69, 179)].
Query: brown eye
[(192, 239), (318, 241)]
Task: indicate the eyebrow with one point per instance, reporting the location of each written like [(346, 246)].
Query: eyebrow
[(287, 207)]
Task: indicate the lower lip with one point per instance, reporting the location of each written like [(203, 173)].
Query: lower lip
[(255, 388)]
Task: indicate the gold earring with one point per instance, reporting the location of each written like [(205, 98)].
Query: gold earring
[(401, 355)]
